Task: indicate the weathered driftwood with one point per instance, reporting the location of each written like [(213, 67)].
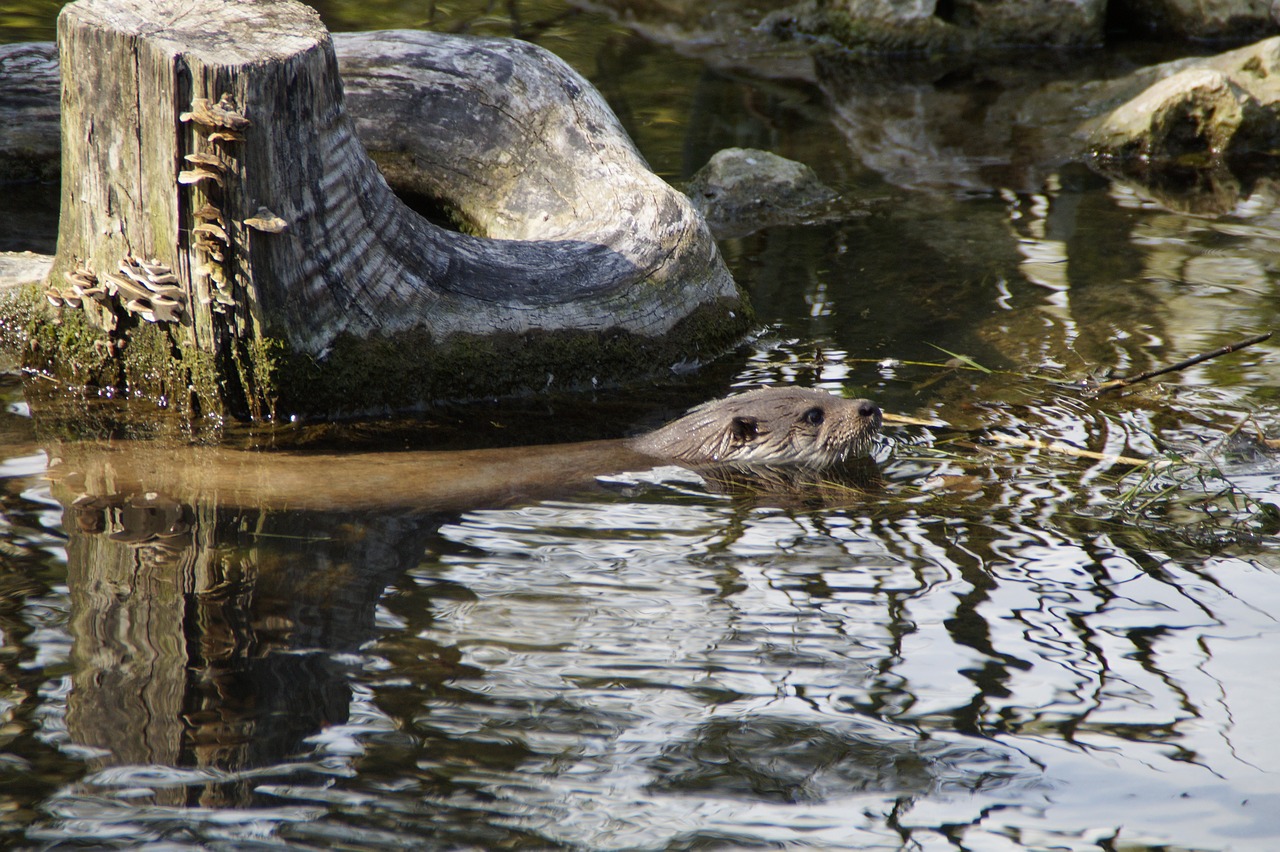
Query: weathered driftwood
[(224, 237), (29, 112)]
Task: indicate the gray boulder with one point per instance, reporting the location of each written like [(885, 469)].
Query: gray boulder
[(1217, 107), (1191, 137), (741, 190)]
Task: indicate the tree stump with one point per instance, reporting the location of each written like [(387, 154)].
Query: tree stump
[(226, 243)]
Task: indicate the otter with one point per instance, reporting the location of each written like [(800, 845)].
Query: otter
[(768, 427), (763, 430)]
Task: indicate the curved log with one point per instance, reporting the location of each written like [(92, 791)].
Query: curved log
[(222, 223), (29, 112)]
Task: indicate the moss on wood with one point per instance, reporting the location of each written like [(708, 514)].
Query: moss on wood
[(148, 360), (375, 374), (266, 379)]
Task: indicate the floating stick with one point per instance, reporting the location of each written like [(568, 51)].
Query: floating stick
[(1068, 450), (1181, 365)]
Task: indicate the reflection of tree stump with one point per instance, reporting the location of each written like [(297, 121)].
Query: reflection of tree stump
[(196, 643), (225, 238)]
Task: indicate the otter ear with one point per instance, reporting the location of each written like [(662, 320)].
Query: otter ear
[(745, 428)]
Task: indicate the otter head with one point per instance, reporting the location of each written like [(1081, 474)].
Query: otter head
[(769, 427)]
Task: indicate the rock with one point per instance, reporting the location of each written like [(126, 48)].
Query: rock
[(1017, 128), (923, 26), (1197, 19), (1197, 112), (945, 123), (741, 190), (1190, 136)]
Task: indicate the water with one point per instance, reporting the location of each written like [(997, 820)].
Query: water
[(994, 647)]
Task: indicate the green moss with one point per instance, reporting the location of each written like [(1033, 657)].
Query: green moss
[(157, 362), (62, 345), (257, 365), (266, 379), (377, 374), (141, 359)]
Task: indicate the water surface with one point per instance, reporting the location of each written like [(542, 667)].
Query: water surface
[(993, 647)]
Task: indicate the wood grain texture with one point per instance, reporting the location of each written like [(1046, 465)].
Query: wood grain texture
[(567, 229), (29, 112)]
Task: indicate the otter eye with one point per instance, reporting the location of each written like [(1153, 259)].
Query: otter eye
[(745, 429), (814, 416)]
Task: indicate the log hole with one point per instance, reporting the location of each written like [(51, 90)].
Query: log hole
[(437, 211)]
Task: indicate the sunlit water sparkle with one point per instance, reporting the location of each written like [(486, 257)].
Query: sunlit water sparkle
[(993, 647)]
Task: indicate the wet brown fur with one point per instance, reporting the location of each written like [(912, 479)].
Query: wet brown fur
[(768, 428)]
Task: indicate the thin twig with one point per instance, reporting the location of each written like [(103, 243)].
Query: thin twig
[(904, 420), (1181, 365), (1067, 449)]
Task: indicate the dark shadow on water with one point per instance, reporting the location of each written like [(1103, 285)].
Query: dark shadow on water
[(29, 217)]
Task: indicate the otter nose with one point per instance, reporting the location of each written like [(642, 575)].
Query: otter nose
[(868, 410)]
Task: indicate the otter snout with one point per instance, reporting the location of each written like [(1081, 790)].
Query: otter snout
[(769, 427)]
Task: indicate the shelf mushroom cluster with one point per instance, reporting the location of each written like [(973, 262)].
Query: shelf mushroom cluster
[(151, 290), (146, 288), (221, 124)]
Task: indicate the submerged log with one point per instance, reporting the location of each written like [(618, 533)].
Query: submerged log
[(225, 241)]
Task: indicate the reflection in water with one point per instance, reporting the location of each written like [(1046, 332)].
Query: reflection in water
[(654, 664), (754, 669), (988, 648), (207, 643), (774, 759)]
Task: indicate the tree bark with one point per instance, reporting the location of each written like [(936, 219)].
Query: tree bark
[(223, 227)]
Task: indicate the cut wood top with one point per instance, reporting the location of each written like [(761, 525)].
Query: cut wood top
[(246, 31)]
